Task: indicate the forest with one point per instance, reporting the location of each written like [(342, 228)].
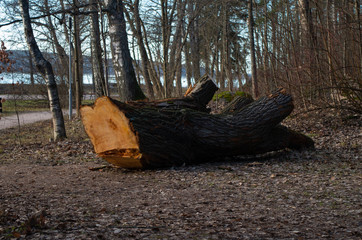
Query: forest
[(219, 119), (312, 48)]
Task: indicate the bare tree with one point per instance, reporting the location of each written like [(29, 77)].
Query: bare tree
[(45, 68), (97, 63), (122, 61), (254, 79), (147, 71), (193, 9)]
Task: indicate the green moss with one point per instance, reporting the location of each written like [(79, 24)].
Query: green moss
[(242, 94), (87, 102), (223, 95)]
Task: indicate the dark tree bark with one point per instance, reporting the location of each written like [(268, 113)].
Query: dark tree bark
[(78, 59), (45, 68), (194, 38), (176, 50), (122, 61), (136, 27), (196, 98), (146, 137), (225, 54), (237, 104), (165, 46), (97, 63), (287, 137), (254, 79)]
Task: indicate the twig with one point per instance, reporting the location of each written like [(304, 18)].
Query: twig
[(100, 168), (70, 11)]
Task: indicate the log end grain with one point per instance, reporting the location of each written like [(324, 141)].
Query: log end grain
[(111, 133)]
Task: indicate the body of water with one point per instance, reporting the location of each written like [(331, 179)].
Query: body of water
[(16, 77), (9, 78)]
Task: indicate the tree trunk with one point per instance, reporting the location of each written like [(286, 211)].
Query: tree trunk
[(237, 104), (68, 40), (347, 40), (254, 79), (196, 97), (359, 20), (176, 50), (97, 63), (105, 54), (273, 61), (135, 136), (122, 61), (154, 74), (266, 50), (45, 68), (309, 42), (165, 41), (194, 38), (62, 55), (31, 68), (78, 69), (136, 27), (225, 44), (188, 64)]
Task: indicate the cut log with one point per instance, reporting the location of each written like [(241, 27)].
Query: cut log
[(289, 138), (203, 90), (145, 137), (196, 97)]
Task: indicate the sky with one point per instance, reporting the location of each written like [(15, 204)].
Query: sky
[(11, 35)]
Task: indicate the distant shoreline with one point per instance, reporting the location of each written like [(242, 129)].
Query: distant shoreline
[(15, 77)]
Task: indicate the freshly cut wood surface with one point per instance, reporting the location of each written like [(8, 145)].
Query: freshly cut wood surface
[(110, 132)]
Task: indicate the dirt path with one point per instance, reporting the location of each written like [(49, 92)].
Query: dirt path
[(25, 118)]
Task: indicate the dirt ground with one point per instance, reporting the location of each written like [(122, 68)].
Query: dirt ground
[(47, 190)]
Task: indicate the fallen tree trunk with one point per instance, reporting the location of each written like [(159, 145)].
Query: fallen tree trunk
[(290, 139), (237, 104), (196, 97), (147, 137)]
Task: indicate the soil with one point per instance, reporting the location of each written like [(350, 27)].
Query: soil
[(49, 192)]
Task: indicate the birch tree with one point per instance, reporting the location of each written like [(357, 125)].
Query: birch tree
[(45, 68), (97, 64), (122, 61)]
